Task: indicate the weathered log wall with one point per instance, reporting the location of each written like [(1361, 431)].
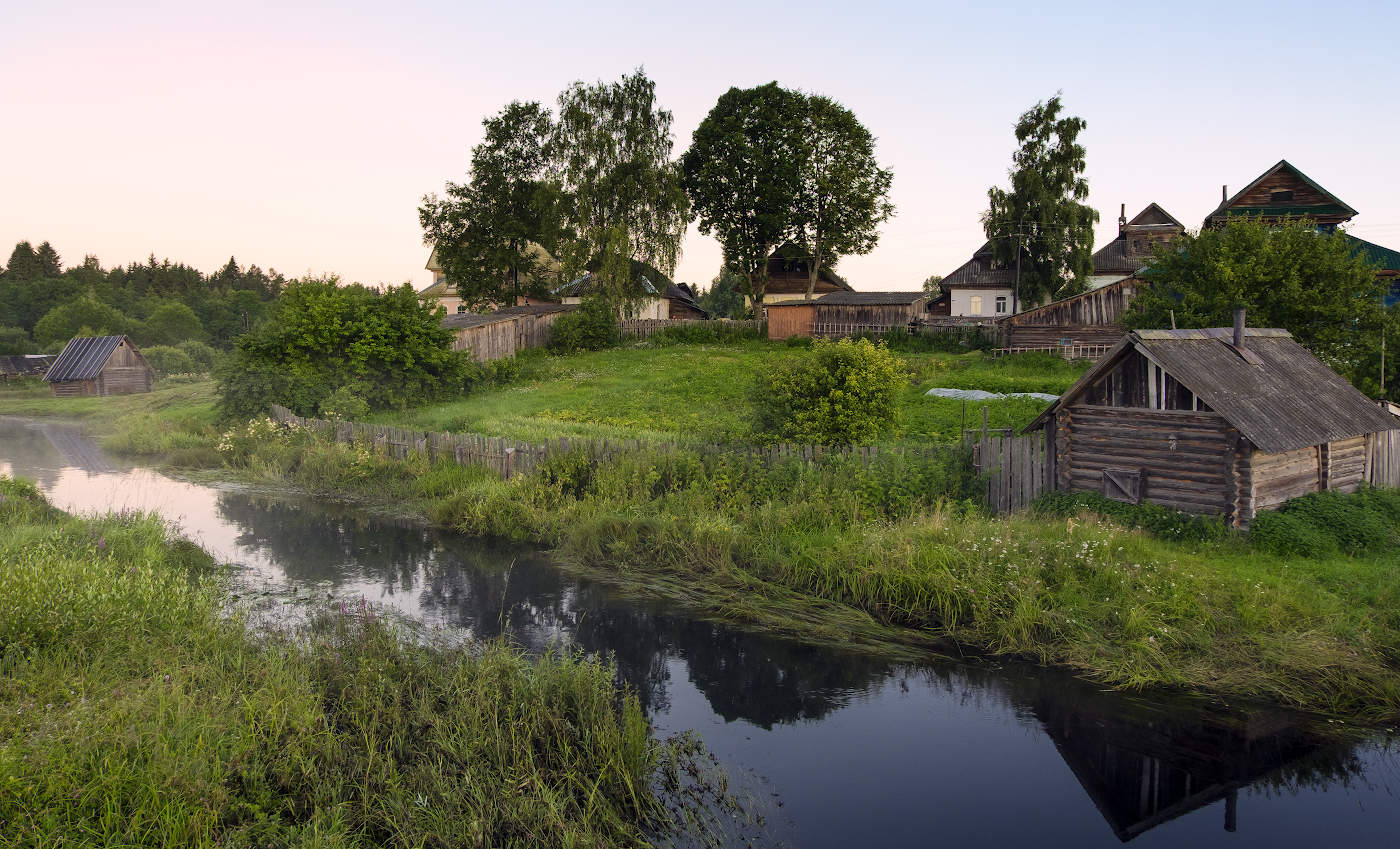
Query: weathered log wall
[(1048, 337), (1186, 459)]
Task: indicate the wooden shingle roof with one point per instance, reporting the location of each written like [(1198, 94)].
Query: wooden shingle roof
[(1277, 395), (83, 358), (870, 298)]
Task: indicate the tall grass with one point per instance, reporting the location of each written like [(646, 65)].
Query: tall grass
[(133, 713)]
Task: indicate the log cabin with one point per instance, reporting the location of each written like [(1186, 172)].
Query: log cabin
[(99, 365), (1216, 421), (787, 278)]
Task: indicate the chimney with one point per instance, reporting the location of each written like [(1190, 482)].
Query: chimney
[(1224, 195), (1122, 217), (1239, 328)]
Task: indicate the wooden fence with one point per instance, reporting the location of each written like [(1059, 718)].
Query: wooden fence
[(507, 457), (1383, 464), (1017, 469), (639, 328), (1069, 352)]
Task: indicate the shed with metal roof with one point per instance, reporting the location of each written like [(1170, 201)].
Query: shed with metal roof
[(1220, 420), (100, 365)]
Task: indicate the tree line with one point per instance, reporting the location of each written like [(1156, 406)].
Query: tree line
[(156, 302)]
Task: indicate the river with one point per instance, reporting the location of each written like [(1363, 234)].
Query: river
[(835, 749)]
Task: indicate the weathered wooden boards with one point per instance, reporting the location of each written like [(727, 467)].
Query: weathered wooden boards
[(1383, 460), (507, 457), (1017, 469)]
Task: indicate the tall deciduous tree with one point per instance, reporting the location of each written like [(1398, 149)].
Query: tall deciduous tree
[(741, 172), (624, 199), (490, 231), (1313, 284), (842, 192), (1044, 213)]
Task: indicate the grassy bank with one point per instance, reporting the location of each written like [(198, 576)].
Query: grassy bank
[(133, 713), (897, 552)]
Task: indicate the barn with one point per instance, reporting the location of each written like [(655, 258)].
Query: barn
[(100, 365), (843, 313), (1217, 421)]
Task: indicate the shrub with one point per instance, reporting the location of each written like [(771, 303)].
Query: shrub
[(591, 327), (1289, 535), (841, 393), (200, 354), (13, 340), (1322, 523), (345, 404), (1157, 520), (950, 341), (705, 332), (168, 360)]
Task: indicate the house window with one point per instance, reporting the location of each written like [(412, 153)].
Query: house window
[(461, 309), (976, 305), (1281, 196), (1001, 304)]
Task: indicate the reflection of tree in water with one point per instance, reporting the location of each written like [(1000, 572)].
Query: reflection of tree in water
[(1142, 762), (327, 543)]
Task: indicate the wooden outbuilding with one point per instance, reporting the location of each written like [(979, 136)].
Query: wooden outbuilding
[(504, 332), (843, 313), (1083, 325), (100, 365), (16, 366), (1217, 421)]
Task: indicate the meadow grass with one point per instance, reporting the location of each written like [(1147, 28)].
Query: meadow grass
[(699, 393), (132, 712)]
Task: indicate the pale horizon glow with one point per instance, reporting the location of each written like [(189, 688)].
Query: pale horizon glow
[(302, 138)]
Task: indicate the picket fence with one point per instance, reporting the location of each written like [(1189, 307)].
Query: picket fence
[(508, 457)]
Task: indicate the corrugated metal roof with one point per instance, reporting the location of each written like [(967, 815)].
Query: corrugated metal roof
[(83, 357), (1378, 255), (1288, 400), (870, 298)]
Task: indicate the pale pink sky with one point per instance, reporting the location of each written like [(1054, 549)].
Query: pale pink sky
[(301, 136)]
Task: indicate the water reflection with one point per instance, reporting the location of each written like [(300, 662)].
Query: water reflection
[(859, 751)]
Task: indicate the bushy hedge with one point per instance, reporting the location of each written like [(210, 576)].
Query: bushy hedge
[(321, 337), (842, 393), (1326, 523), (591, 327), (167, 360)]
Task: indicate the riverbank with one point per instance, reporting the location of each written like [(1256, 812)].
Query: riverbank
[(895, 558), (134, 712)]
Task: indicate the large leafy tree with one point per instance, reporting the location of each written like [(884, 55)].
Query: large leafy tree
[(1312, 284), (489, 231), (624, 201), (1043, 213), (742, 174), (725, 297), (842, 192)]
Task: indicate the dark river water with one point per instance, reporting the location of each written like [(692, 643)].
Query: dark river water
[(834, 749)]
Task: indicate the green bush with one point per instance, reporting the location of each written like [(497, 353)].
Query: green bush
[(842, 393), (1322, 523), (200, 354), (950, 341), (168, 360), (13, 340), (591, 327), (345, 404), (1158, 521), (706, 332), (322, 336)]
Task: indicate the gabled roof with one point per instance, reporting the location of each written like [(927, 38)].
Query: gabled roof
[(1118, 257), (982, 271), (789, 260), (83, 357), (1335, 207), (1286, 400), (870, 298), (1154, 216), (581, 286), (681, 292)]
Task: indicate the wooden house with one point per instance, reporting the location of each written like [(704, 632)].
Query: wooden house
[(100, 365), (443, 292), (837, 314), (1215, 421), (787, 278), (1282, 192), (1133, 248), (982, 287)]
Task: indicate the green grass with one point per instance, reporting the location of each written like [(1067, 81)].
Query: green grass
[(678, 393), (133, 713)]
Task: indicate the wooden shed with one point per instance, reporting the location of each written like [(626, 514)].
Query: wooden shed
[(14, 367), (506, 331), (1087, 324), (842, 313), (100, 365), (1214, 421)]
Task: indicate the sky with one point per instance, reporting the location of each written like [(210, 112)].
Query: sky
[(302, 136)]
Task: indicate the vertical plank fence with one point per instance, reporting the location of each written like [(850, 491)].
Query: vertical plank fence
[(1383, 464), (1016, 467)]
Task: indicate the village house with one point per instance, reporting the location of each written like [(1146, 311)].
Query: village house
[(1218, 421), (444, 293), (99, 365), (661, 301), (983, 287), (844, 313), (1085, 325), (787, 278), (1279, 193)]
